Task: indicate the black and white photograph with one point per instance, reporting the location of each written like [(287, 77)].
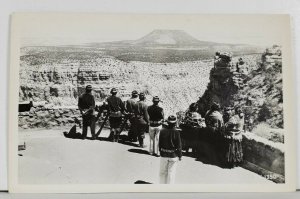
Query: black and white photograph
[(148, 100)]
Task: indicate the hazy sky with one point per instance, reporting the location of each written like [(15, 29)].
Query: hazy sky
[(61, 29)]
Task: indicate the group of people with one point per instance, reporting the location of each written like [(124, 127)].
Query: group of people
[(165, 142), (222, 132)]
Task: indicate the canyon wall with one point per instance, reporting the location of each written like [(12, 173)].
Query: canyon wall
[(255, 85), (54, 78), (252, 83)]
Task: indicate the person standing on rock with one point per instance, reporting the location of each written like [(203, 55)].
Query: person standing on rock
[(86, 105), (142, 119), (156, 116), (170, 151), (129, 108), (115, 110)]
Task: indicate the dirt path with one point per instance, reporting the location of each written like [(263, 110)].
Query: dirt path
[(50, 158)]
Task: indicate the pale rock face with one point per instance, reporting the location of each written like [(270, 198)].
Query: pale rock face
[(60, 84)]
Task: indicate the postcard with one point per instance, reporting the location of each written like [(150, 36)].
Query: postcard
[(151, 103)]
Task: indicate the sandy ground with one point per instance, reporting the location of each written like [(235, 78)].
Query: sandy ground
[(50, 158)]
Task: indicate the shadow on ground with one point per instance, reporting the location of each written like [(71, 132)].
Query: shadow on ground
[(140, 151), (142, 182)]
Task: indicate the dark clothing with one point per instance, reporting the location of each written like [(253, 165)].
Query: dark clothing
[(86, 105), (213, 136), (115, 110), (141, 120), (156, 115), (86, 101), (115, 104), (115, 122), (170, 143), (141, 112), (88, 121), (129, 108)]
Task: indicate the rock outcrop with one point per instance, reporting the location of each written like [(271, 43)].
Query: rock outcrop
[(253, 83)]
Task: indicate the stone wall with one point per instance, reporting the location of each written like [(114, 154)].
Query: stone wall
[(264, 157), (41, 117)]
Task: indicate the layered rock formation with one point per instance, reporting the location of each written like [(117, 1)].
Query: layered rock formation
[(57, 83), (252, 83)]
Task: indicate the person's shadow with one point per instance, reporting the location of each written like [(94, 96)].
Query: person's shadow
[(142, 182), (139, 151)]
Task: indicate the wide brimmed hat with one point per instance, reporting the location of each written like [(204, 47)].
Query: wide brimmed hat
[(142, 95), (134, 92), (172, 119), (155, 99), (89, 87), (113, 91)]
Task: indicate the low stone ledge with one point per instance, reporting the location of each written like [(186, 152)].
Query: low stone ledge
[(264, 157)]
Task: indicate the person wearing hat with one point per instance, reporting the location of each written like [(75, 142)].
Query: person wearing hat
[(129, 108), (156, 116), (141, 119), (86, 105), (170, 151), (115, 110)]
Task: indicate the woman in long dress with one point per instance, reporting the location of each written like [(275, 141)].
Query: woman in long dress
[(233, 136)]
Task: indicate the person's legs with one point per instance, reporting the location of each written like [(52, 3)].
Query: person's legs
[(93, 126), (155, 140), (141, 137), (134, 130), (172, 164), (84, 127), (141, 129), (117, 133), (163, 170), (152, 136)]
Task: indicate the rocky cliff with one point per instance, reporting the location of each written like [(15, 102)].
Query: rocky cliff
[(252, 83), (55, 77)]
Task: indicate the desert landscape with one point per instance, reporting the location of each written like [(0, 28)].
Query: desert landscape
[(169, 63)]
